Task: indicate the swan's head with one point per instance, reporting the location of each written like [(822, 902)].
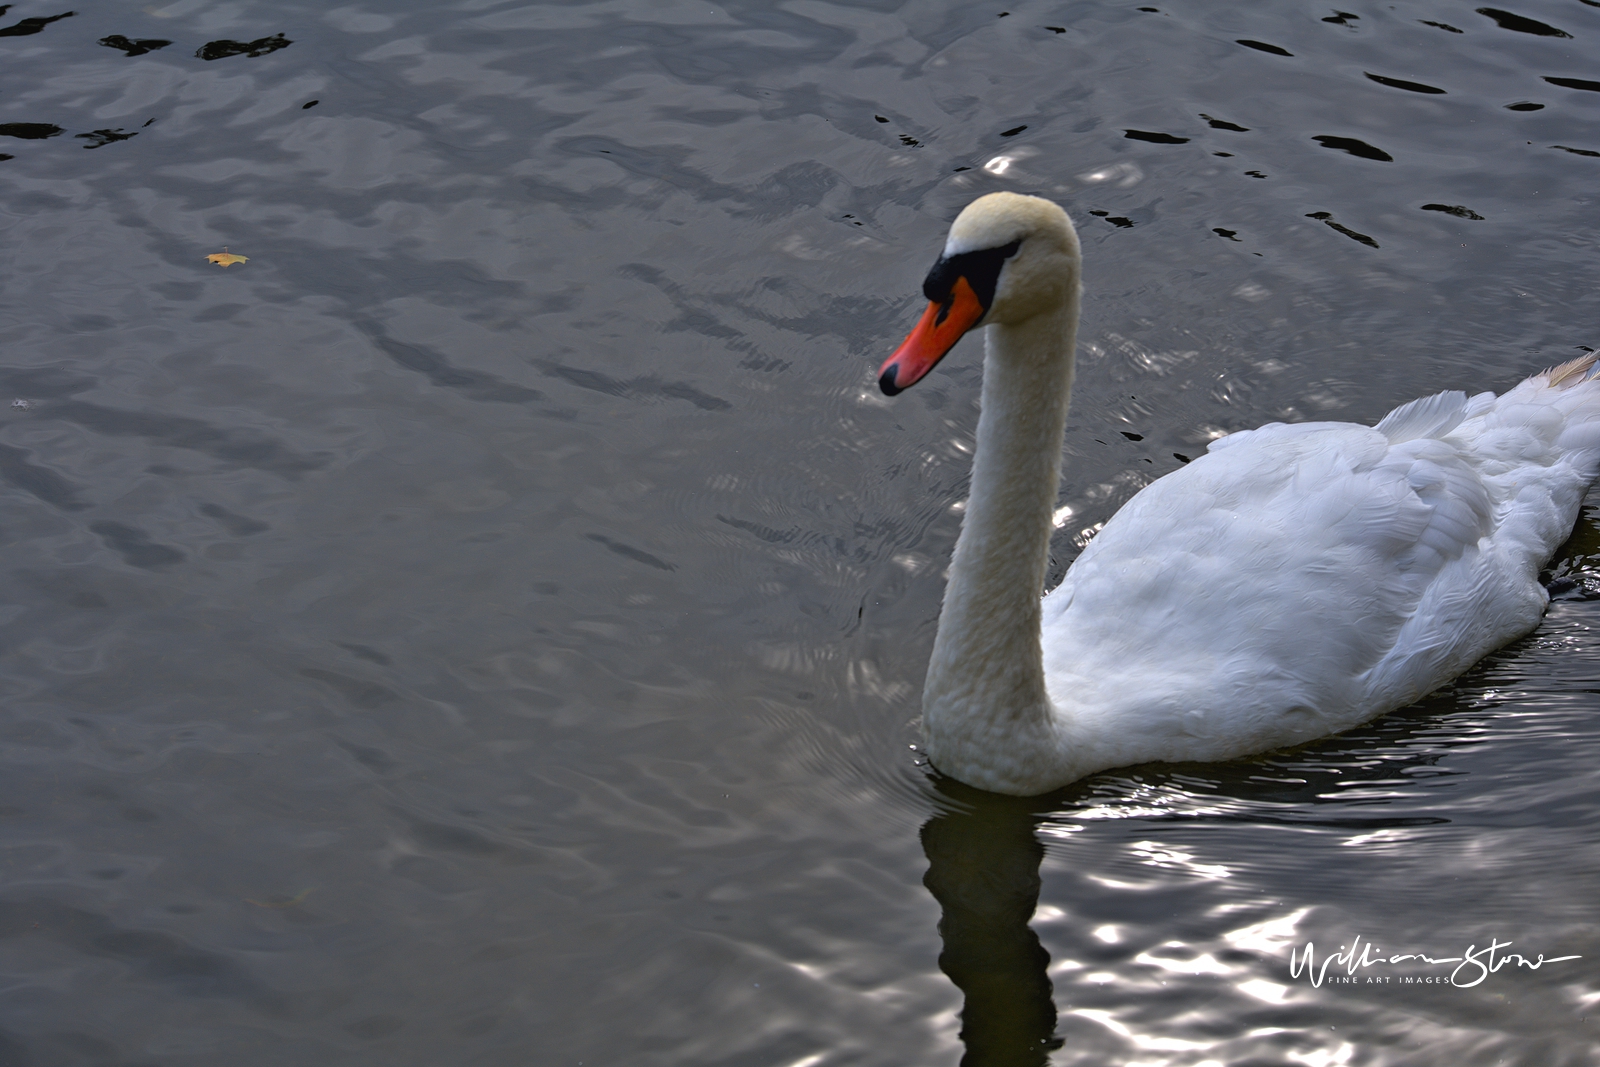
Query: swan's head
[(1008, 258)]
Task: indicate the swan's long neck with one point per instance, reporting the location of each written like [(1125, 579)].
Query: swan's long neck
[(984, 702)]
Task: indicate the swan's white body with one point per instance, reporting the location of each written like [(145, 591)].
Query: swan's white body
[(1293, 582)]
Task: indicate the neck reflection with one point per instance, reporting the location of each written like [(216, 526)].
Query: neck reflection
[(983, 869)]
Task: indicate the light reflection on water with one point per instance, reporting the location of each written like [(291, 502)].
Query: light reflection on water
[(487, 624)]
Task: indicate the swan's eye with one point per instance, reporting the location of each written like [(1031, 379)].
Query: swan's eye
[(981, 269)]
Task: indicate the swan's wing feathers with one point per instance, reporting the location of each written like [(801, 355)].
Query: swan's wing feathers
[(1296, 580), (1459, 505), (1430, 416), (1334, 487), (1277, 432), (1384, 515), (1224, 567)]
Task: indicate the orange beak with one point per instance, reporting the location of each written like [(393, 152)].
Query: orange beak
[(941, 327)]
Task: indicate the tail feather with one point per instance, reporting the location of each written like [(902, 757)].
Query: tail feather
[(1569, 373), (1579, 437), (1551, 417)]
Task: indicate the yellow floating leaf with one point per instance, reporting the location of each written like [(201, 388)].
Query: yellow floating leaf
[(226, 258)]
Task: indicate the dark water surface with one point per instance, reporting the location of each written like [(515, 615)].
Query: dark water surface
[(486, 626)]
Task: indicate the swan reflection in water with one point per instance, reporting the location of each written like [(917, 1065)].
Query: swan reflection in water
[(983, 869), (985, 852)]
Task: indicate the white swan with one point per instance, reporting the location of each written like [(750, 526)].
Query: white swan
[(1289, 584)]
